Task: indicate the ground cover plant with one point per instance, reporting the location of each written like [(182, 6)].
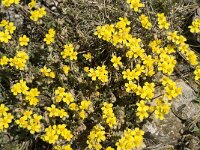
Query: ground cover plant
[(77, 80)]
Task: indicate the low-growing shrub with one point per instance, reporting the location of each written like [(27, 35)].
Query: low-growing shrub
[(57, 89)]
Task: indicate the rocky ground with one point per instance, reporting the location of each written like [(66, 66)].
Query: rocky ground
[(180, 128)]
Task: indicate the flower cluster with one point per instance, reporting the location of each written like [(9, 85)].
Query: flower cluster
[(30, 121), (49, 37), (56, 112), (59, 105), (195, 27), (166, 63), (171, 90), (97, 135), (20, 60), (19, 88), (116, 34), (31, 96), (8, 3), (145, 22), (131, 139), (47, 72), (9, 29), (5, 117), (161, 109), (100, 72), (145, 92), (108, 114), (83, 108), (180, 40), (69, 52), (135, 49), (37, 14), (142, 110), (135, 4), (61, 95), (162, 21), (57, 132), (131, 75)]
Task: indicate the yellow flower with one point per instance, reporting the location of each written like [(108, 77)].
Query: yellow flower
[(194, 28), (5, 36), (162, 21), (82, 114), (52, 74), (42, 12), (135, 4), (19, 87), (4, 61), (68, 98), (110, 148), (86, 69), (137, 132), (34, 15), (69, 52), (108, 114), (73, 106), (53, 111), (197, 73), (3, 110), (32, 4), (37, 14), (48, 39), (172, 91), (31, 96), (19, 61), (85, 104), (88, 56), (10, 27), (7, 3), (5, 118), (50, 135), (47, 72), (23, 40), (130, 139), (93, 73), (116, 61), (66, 69), (130, 86), (97, 135), (73, 56), (142, 110), (4, 23), (145, 21), (66, 134), (52, 32), (192, 57), (27, 114), (62, 113)]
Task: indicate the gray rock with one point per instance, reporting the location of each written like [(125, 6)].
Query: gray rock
[(167, 131)]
